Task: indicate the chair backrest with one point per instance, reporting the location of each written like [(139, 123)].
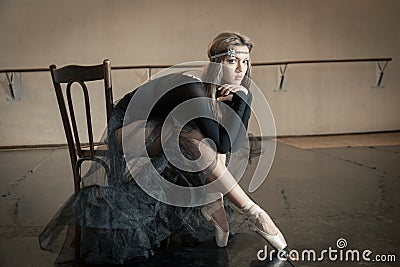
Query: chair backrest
[(69, 75)]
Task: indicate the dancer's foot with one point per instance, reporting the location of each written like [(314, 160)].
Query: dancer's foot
[(261, 223), (215, 213)]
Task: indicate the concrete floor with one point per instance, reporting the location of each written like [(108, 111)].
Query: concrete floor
[(315, 195)]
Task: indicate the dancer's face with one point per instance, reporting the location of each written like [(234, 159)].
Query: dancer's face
[(235, 67)]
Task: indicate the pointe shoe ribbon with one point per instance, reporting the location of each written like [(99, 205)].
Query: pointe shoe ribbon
[(221, 236)]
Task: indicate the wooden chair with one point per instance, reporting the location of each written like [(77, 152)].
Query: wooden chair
[(79, 153), (81, 74)]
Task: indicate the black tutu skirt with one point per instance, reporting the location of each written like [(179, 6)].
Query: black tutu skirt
[(113, 220)]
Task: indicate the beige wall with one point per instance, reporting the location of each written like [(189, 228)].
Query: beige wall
[(319, 99)]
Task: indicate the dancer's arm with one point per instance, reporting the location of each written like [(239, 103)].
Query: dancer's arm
[(212, 129)]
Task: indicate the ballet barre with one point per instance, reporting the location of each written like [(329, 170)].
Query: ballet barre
[(13, 76)]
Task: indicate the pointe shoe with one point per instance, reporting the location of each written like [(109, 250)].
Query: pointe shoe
[(276, 240), (221, 236)]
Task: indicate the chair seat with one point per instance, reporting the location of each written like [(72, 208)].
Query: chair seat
[(100, 150)]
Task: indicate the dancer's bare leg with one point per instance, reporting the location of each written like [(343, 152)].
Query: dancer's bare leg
[(259, 220), (134, 134), (218, 210), (237, 196)]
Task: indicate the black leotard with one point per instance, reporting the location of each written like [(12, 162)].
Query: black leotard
[(191, 88)]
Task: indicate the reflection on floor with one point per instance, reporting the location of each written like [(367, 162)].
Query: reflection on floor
[(342, 198)]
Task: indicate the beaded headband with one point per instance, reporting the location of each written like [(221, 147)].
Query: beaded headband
[(231, 52)]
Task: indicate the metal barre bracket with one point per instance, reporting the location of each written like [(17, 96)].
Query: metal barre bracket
[(379, 72), (281, 78), (14, 85)]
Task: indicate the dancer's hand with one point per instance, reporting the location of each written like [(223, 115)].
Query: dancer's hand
[(226, 90)]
